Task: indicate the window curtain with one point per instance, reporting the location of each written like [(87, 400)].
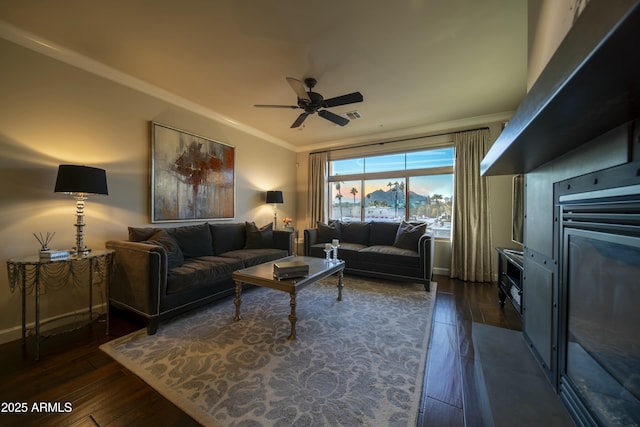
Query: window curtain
[(316, 194), (471, 234)]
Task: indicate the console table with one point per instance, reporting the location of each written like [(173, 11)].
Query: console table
[(35, 276), (510, 272)]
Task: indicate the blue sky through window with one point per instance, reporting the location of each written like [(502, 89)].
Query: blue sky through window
[(439, 157)]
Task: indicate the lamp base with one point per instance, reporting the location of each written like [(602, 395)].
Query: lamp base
[(80, 248), (79, 252), (275, 216)]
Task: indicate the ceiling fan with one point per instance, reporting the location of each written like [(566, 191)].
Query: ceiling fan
[(312, 102)]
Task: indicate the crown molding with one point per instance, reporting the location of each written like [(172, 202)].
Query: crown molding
[(38, 44)]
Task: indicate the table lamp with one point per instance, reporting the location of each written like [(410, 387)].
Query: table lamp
[(275, 198), (79, 181)]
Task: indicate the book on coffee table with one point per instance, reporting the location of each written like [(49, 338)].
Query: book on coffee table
[(290, 269)]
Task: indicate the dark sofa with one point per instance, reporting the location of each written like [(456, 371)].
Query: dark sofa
[(380, 249), (161, 272)]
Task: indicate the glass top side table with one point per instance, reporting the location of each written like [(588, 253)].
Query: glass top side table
[(30, 274)]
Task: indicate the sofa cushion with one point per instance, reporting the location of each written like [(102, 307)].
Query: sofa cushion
[(316, 250), (258, 238), (346, 251), (138, 234), (328, 232), (408, 235), (355, 232), (227, 237), (194, 240), (251, 257), (383, 233), (352, 247), (175, 257), (349, 251), (390, 255), (200, 272)]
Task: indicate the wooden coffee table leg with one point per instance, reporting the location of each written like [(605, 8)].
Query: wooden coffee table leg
[(340, 284), (237, 301), (292, 316)]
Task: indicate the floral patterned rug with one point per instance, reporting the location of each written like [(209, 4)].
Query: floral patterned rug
[(358, 362)]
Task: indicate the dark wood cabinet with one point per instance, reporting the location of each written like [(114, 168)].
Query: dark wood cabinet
[(510, 283)]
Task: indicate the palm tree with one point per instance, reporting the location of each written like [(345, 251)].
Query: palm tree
[(339, 197), (401, 187), (396, 186), (353, 192)]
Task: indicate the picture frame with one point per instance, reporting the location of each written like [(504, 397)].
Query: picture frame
[(192, 176)]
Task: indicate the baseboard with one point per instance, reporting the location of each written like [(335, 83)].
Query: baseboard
[(15, 333), (439, 271)]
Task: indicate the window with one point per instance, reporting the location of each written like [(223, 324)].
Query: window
[(411, 186)]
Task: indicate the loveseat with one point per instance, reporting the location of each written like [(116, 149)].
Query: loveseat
[(398, 251), (161, 272)]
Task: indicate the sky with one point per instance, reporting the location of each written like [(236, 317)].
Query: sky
[(412, 160), (424, 185)]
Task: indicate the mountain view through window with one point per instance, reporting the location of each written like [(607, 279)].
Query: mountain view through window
[(413, 186)]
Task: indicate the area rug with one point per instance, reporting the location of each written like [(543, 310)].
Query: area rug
[(357, 362)]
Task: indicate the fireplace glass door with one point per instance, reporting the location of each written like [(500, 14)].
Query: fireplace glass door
[(602, 335)]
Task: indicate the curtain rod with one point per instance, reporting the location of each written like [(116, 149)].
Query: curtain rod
[(370, 144)]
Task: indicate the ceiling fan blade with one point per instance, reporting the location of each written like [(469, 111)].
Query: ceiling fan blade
[(344, 99), (339, 120), (299, 120), (293, 107), (298, 88)]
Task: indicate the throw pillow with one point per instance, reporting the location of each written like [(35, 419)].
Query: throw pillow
[(383, 233), (228, 237), (408, 235), (194, 240), (138, 234), (259, 238), (328, 232), (175, 258), (356, 232)]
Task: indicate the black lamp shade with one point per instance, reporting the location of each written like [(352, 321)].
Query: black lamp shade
[(274, 197), (74, 179)]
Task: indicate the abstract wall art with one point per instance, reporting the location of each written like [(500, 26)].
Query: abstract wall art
[(192, 177)]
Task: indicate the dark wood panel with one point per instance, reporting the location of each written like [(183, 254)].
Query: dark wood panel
[(442, 415), (444, 379), (445, 309), (450, 395), (73, 369), (465, 343), (472, 404)]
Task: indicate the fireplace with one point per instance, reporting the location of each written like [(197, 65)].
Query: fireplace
[(599, 313), (581, 299)]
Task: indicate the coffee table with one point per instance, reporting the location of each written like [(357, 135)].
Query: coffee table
[(262, 275)]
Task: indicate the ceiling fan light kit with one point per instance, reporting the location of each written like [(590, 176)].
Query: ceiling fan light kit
[(312, 102)]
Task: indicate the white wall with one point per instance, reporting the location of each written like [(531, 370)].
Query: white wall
[(549, 21), (53, 113)]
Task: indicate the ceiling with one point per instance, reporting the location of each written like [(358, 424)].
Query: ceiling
[(422, 65)]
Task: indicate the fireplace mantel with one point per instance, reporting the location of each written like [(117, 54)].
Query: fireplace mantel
[(590, 85)]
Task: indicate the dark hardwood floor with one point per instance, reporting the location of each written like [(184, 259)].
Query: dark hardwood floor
[(81, 386), (449, 397)]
